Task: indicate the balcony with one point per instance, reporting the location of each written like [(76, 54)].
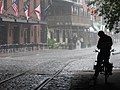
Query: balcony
[(66, 20), (80, 20)]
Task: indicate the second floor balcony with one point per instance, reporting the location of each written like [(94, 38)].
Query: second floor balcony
[(65, 20)]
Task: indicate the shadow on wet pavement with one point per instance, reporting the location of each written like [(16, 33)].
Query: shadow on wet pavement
[(84, 82)]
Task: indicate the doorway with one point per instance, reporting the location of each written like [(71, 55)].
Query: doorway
[(3, 35)]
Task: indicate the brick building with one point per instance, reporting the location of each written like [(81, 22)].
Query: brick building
[(69, 21), (20, 29)]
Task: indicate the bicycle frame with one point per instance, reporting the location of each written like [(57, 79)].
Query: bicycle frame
[(103, 68)]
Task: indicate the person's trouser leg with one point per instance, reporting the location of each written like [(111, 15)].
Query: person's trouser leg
[(97, 70), (98, 66)]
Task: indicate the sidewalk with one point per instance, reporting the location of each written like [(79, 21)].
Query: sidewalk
[(2, 55), (82, 80)]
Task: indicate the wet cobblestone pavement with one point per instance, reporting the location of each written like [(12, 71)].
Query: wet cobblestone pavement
[(82, 80), (43, 64), (69, 82), (60, 83)]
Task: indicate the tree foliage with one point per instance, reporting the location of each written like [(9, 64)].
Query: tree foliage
[(110, 10)]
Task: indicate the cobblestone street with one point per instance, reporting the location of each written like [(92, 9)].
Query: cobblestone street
[(41, 65)]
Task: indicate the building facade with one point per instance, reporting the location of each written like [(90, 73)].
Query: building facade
[(69, 21), (16, 27)]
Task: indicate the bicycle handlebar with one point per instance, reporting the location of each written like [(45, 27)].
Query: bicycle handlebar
[(112, 50)]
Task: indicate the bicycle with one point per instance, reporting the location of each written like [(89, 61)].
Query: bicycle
[(105, 68)]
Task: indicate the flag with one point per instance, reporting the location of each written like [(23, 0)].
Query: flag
[(1, 6), (38, 11), (15, 6), (27, 8)]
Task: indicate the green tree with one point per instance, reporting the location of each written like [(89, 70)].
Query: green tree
[(110, 10)]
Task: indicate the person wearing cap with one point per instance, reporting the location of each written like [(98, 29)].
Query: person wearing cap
[(104, 45)]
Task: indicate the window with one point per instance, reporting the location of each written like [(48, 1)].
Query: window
[(75, 10), (21, 33), (5, 4), (10, 31), (32, 32), (74, 0)]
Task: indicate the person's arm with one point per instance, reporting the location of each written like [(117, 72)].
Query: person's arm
[(110, 41), (98, 45)]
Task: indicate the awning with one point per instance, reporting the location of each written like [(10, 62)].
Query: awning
[(4, 19)]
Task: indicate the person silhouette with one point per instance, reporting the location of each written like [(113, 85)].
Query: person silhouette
[(104, 45)]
